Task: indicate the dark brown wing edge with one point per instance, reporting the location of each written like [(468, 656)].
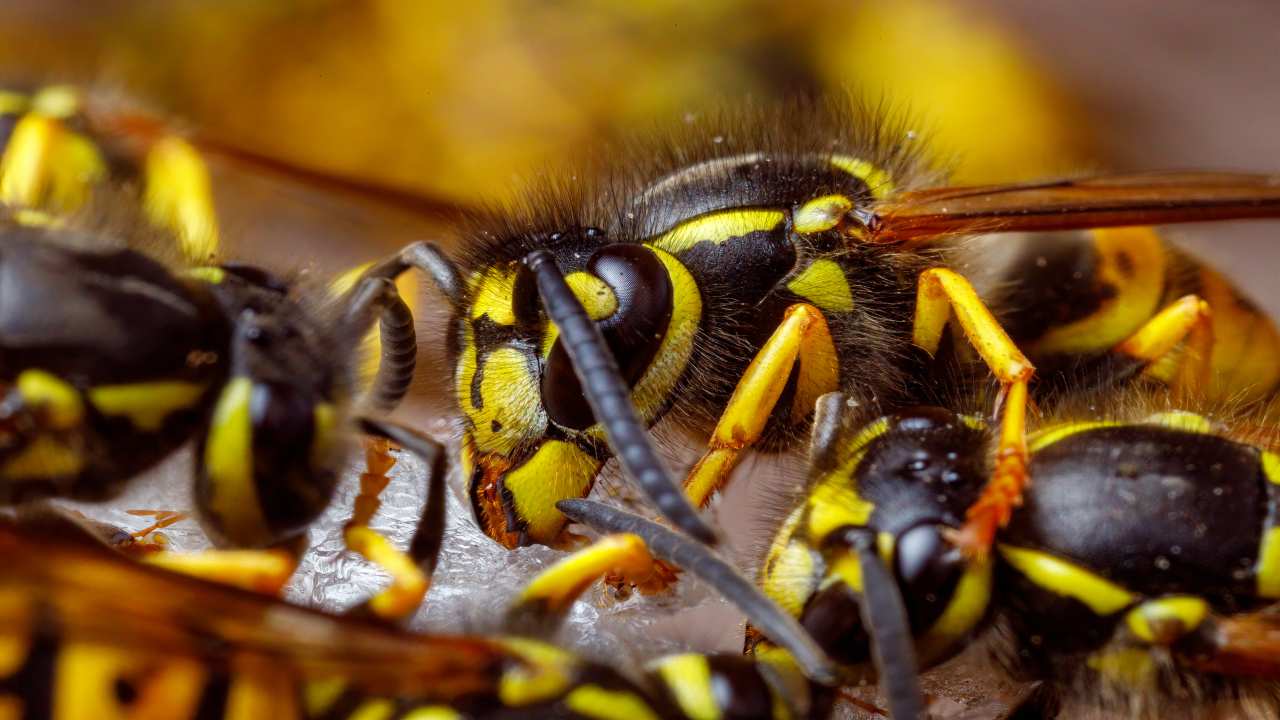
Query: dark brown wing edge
[(1107, 201), (1245, 645)]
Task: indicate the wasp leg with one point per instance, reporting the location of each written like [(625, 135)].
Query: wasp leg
[(801, 340), (1188, 318), (547, 598), (263, 571), (410, 571), (940, 293), (178, 197), (47, 166), (377, 297)]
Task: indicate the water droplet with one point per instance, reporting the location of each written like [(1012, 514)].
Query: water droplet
[(1162, 562)]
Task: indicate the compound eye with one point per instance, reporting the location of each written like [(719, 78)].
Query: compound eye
[(926, 564), (634, 331)]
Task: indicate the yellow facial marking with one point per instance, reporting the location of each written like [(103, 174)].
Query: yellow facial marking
[(492, 296), (54, 398), (177, 197), (824, 284), (228, 462), (835, 503), (1068, 580), (42, 458), (877, 180), (718, 228), (594, 294), (146, 404), (968, 604), (1131, 260), (1130, 667), (659, 380), (510, 396), (593, 701), (1268, 567), (820, 214), (688, 677), (543, 676), (790, 573), (1164, 620), (558, 470)]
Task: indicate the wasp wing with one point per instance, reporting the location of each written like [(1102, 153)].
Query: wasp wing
[(1108, 201), (1247, 644), (62, 593)]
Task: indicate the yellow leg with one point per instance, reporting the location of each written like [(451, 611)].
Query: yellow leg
[(942, 292), (802, 337), (555, 589), (409, 583), (264, 571), (1188, 318)]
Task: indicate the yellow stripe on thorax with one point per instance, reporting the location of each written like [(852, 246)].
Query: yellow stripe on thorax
[(593, 701), (877, 180), (718, 228), (542, 676), (1068, 580), (824, 284)]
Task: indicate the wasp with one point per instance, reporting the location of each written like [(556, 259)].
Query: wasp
[(88, 634), (118, 347), (759, 260)]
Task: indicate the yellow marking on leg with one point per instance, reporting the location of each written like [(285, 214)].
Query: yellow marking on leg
[(558, 470), (408, 583), (593, 701), (824, 284), (688, 678), (556, 588), (146, 404), (942, 292), (820, 214), (802, 337), (1067, 579), (261, 571), (1189, 319), (177, 197), (1164, 620), (228, 463), (718, 228)]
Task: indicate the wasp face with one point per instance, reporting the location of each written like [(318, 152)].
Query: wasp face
[(531, 438), (266, 463), (902, 488)]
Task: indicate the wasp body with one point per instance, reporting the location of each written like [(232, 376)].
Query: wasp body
[(1143, 556), (745, 270)]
